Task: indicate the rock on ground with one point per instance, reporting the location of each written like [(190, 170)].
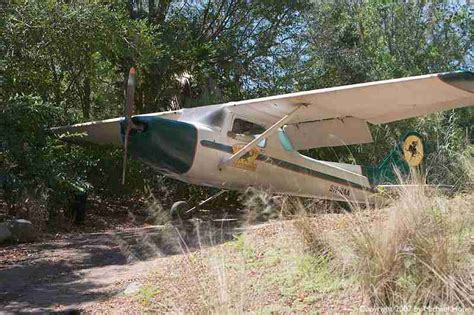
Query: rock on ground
[(23, 231), (5, 233)]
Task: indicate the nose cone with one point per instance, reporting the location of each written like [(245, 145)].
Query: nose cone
[(165, 144)]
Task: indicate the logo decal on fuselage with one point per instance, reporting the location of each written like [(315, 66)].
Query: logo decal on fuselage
[(249, 160)]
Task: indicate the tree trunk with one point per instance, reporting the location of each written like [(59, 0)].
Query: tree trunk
[(160, 14), (151, 9)]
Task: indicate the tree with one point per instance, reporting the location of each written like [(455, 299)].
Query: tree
[(73, 55), (224, 50), (360, 41)]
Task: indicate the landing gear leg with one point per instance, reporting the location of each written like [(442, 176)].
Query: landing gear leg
[(179, 208)]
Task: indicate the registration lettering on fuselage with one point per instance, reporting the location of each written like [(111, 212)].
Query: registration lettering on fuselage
[(249, 160)]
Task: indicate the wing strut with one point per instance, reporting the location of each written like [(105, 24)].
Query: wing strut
[(249, 146)]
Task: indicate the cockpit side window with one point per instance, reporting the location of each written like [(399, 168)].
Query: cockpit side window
[(248, 128)]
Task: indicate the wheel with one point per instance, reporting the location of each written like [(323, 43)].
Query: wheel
[(178, 209)]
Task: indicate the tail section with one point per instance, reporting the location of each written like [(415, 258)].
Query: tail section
[(409, 153)]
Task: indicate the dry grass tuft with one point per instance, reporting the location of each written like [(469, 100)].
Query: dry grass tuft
[(417, 253), (420, 256)]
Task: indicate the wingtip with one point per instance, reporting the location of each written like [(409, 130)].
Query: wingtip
[(463, 80)]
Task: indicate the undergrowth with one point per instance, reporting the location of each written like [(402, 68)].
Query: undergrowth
[(420, 255), (417, 253)]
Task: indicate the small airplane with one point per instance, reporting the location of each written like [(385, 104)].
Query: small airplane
[(255, 143)]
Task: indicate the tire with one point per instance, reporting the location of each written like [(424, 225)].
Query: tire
[(178, 209)]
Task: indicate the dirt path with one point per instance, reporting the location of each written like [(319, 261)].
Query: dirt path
[(76, 271)]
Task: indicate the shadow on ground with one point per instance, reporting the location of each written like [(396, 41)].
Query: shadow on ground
[(69, 273)]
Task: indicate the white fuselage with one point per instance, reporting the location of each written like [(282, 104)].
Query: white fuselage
[(273, 168)]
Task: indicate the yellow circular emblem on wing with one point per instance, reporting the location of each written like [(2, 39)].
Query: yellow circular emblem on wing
[(413, 150)]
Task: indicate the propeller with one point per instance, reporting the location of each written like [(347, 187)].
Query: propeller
[(129, 108)]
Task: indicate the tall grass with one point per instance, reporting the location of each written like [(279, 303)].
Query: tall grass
[(420, 255), (417, 253)]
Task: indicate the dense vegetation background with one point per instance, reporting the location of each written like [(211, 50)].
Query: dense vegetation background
[(65, 62)]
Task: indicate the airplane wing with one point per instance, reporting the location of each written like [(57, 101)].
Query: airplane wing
[(339, 115), (98, 132)]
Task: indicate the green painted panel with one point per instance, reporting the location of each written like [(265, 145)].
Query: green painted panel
[(386, 172), (165, 144)]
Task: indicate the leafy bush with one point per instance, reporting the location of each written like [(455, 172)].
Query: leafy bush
[(36, 166), (449, 151), (26, 148)]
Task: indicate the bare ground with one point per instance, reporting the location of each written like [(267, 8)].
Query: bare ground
[(262, 270), (76, 272), (184, 268)]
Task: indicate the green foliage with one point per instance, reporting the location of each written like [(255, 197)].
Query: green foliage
[(29, 159), (448, 159), (36, 165), (146, 294), (244, 247), (374, 40), (73, 57), (228, 49), (352, 42)]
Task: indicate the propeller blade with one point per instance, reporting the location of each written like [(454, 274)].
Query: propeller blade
[(130, 95), (129, 109), (125, 153)]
